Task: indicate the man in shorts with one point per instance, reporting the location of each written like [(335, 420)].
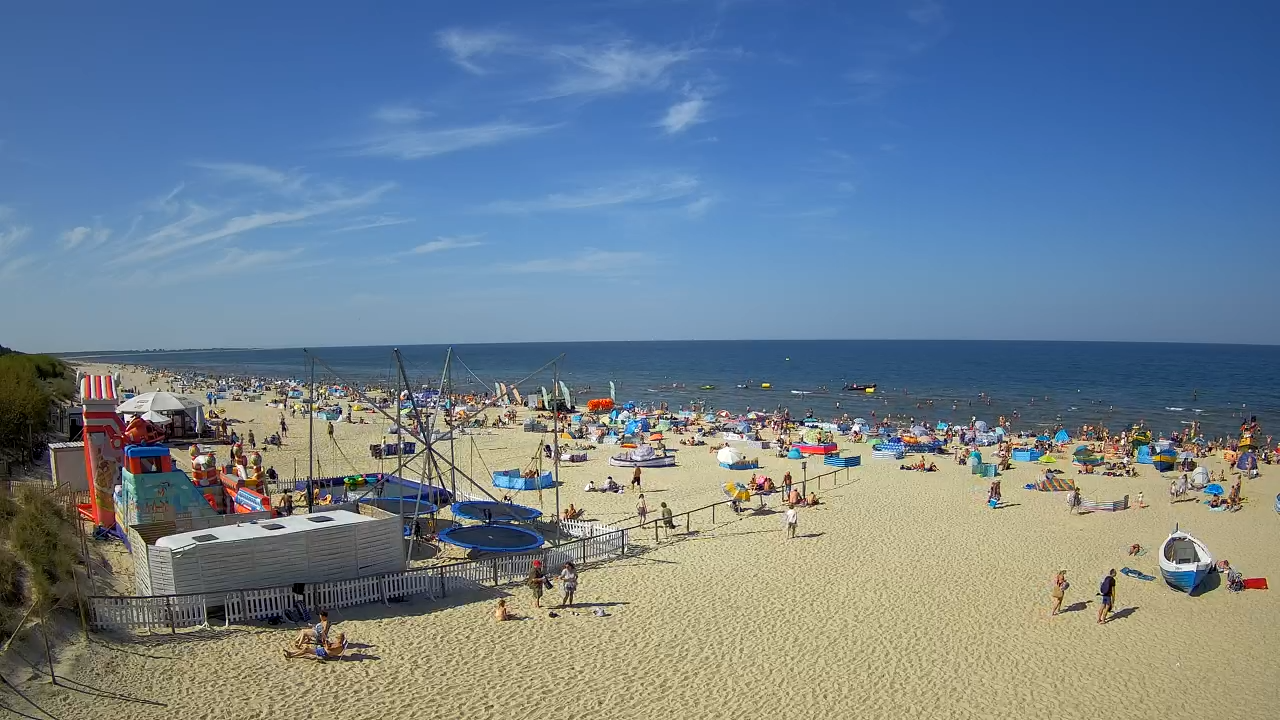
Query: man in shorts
[(1108, 593), (793, 519)]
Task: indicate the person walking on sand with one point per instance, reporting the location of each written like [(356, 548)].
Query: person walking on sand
[(635, 478), (537, 582), (793, 520), (1059, 591), (1108, 593), (642, 510), (569, 583), (667, 521), (786, 484)]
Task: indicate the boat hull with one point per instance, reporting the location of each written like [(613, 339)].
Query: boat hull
[(657, 462), (1184, 562), (1183, 580)]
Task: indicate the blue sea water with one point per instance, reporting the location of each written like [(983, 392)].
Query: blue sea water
[(1046, 383)]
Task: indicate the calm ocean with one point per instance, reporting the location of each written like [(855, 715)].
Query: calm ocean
[(1044, 382)]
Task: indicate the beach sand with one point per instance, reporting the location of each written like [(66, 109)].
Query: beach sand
[(904, 596)]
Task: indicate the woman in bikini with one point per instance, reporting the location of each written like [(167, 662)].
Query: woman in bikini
[(1059, 591)]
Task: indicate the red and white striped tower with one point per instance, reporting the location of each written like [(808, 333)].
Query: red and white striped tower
[(103, 444)]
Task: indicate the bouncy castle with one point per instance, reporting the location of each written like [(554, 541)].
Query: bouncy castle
[(134, 481)]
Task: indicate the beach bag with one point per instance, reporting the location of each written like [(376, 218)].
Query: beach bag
[(546, 580)]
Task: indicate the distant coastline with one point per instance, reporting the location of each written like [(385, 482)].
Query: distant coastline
[(78, 354)]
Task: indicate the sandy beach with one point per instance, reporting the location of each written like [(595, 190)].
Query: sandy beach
[(904, 595)]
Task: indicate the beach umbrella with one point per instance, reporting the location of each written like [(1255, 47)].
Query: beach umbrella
[(1186, 455), (156, 418), (158, 401), (729, 456), (737, 491), (1213, 489)]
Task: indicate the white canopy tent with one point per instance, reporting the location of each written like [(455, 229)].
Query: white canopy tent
[(165, 405)]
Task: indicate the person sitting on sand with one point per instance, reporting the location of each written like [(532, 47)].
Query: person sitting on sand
[(932, 468), (812, 500), (794, 497), (317, 634), (1216, 502), (329, 651), (591, 486), (570, 512), (501, 613), (612, 486)]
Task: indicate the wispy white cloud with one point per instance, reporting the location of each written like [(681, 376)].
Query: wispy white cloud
[(75, 236), (646, 191), (415, 144), (613, 67), (927, 12), (590, 261), (885, 51), (11, 260), (200, 227), (596, 67), (12, 237), (368, 223), (280, 181), (699, 207), (869, 84), (684, 114), (441, 244), (465, 47), (229, 261), (398, 114)]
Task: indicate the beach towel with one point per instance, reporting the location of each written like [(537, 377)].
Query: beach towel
[(1057, 484), (1255, 583), (1130, 572)]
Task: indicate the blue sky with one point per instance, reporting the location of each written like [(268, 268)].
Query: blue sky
[(279, 174)]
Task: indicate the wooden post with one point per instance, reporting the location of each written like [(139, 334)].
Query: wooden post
[(168, 610), (655, 532), (80, 603), (713, 514), (686, 522), (48, 653), (443, 592), (495, 572)]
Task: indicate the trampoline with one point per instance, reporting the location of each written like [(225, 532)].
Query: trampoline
[(492, 538), (408, 507), (489, 511)]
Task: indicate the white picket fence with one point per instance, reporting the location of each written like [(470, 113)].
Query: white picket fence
[(172, 612)]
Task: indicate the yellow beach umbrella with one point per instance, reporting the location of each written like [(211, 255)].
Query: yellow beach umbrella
[(737, 491)]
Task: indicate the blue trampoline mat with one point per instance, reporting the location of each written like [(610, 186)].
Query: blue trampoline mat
[(492, 538), (490, 511)]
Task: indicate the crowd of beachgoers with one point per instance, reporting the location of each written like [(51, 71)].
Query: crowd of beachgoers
[(908, 576)]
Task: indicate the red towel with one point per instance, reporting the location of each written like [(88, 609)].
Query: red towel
[(1255, 583)]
